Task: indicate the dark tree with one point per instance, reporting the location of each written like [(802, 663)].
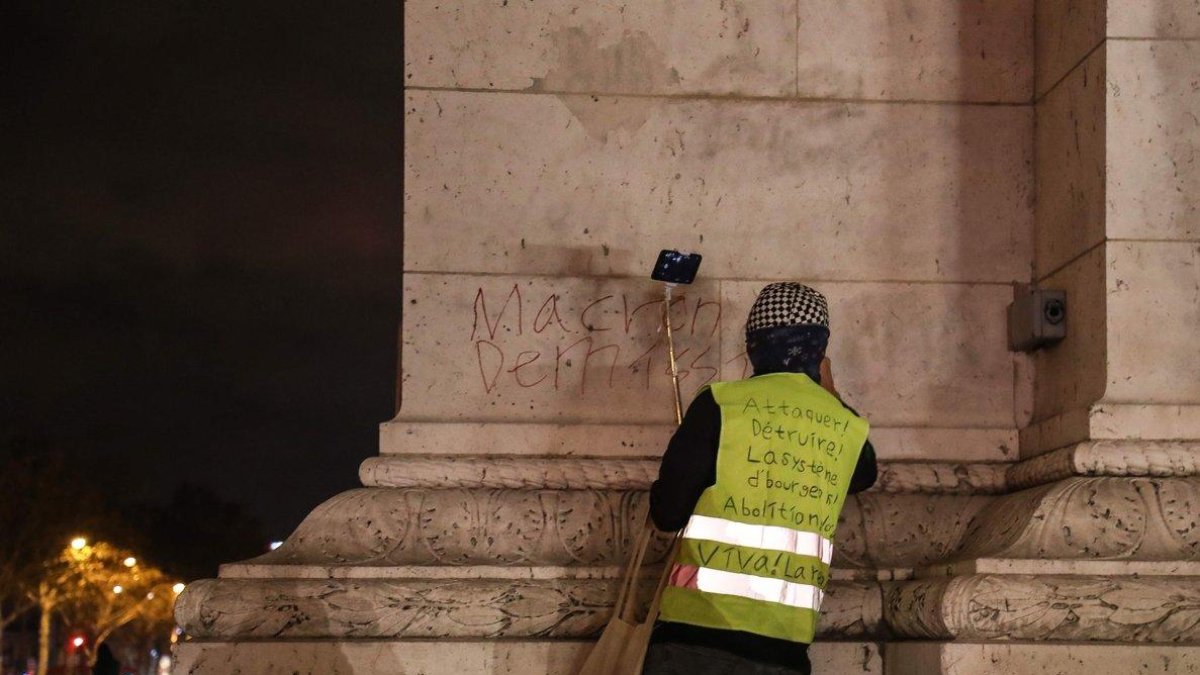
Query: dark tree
[(44, 501)]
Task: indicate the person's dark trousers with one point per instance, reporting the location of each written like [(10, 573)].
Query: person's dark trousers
[(672, 658)]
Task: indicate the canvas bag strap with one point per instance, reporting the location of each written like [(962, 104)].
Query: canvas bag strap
[(672, 552), (629, 582), (629, 610)]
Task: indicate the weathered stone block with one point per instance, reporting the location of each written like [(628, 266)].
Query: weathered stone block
[(767, 190), (404, 437), (1071, 155), (548, 349), (1153, 174), (929, 50), (1038, 658), (1072, 374), (1154, 321), (1067, 30), (906, 355), (647, 47), (1153, 18)]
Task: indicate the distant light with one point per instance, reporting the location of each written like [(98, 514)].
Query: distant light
[(130, 561), (150, 595), (178, 588), (78, 642), (118, 590), (78, 543), (276, 544)]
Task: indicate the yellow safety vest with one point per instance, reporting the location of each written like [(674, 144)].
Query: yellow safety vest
[(755, 554)]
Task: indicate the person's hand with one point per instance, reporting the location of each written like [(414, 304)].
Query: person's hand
[(827, 377)]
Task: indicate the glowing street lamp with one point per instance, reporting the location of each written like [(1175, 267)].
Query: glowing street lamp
[(118, 589), (178, 588), (130, 561), (78, 543), (78, 641)]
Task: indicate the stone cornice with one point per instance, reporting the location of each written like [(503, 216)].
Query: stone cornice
[(569, 473), (446, 608), (973, 607), (1093, 518), (1108, 458), (1092, 458), (1043, 607)]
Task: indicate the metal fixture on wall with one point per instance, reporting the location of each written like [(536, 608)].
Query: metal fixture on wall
[(1037, 318)]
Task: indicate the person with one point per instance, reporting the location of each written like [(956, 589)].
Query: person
[(756, 476), (106, 663)]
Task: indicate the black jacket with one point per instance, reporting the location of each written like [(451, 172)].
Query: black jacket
[(689, 466)]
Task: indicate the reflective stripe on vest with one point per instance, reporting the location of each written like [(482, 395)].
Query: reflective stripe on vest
[(749, 586), (769, 537)]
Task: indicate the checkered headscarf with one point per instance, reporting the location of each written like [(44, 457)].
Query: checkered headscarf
[(787, 304)]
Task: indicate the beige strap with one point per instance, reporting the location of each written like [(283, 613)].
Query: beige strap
[(628, 593), (672, 552)]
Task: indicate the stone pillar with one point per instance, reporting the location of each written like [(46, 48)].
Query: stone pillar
[(1097, 558), (882, 151)]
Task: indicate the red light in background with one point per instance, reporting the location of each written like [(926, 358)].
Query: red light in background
[(75, 642)]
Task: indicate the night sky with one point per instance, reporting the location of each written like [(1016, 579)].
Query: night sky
[(200, 242)]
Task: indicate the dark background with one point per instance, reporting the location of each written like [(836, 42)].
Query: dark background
[(200, 250)]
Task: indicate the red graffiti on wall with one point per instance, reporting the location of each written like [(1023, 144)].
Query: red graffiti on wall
[(610, 341)]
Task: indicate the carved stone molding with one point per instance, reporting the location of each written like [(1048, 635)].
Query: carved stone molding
[(447, 608), (1093, 458), (1027, 607), (570, 473), (884, 531), (939, 478), (394, 608), (1091, 518), (978, 607), (1078, 518), (1108, 458), (393, 526), (508, 472), (373, 527)]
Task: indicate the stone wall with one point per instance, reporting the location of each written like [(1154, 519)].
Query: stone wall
[(1118, 221), (880, 151), (887, 152)]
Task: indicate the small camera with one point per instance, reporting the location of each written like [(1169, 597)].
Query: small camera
[(1036, 318), (674, 267)]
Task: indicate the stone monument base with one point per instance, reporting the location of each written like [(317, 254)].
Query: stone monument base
[(1039, 658), (563, 657), (448, 657)]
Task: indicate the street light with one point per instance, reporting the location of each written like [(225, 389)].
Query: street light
[(178, 588), (130, 561), (118, 589), (78, 543)]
